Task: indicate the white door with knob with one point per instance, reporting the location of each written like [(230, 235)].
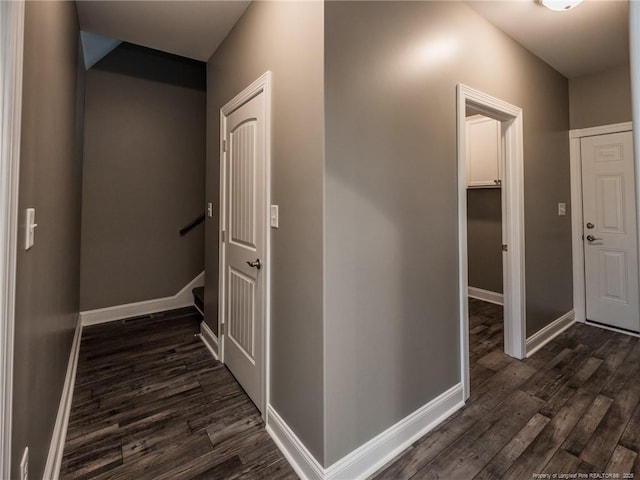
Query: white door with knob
[(244, 250), (610, 231)]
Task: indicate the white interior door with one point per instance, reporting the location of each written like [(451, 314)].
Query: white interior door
[(245, 246), (610, 232)]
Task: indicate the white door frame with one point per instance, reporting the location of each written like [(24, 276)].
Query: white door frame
[(510, 117), (11, 56), (579, 292), (634, 61), (262, 84)]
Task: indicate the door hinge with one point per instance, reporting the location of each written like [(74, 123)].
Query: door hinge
[(505, 248), (224, 235), (222, 328), (224, 145)]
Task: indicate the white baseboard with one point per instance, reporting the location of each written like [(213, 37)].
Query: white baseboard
[(539, 339), (184, 298), (371, 456), (486, 295), (56, 447), (302, 461), (209, 339)]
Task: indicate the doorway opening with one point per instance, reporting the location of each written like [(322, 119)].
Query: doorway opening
[(483, 137), (509, 139)]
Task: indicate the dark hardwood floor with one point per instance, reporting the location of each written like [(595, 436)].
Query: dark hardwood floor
[(572, 408), (150, 402)]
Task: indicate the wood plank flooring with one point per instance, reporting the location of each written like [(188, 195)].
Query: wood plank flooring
[(150, 402), (572, 408)]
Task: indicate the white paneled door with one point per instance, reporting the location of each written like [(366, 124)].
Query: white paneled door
[(610, 232), (245, 249)]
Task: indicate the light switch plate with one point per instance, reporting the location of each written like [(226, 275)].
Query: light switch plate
[(30, 225), (562, 209), (210, 209), (275, 220)]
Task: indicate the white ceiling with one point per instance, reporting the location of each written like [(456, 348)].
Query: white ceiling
[(192, 29), (589, 38)]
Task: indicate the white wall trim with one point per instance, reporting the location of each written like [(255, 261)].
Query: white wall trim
[(539, 339), (262, 84), (577, 244), (486, 295), (380, 450), (374, 454), (11, 57), (184, 298), (511, 118), (601, 130), (634, 62), (209, 339), (300, 459), (56, 447), (222, 214)]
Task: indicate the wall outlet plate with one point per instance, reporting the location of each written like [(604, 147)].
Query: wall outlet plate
[(24, 465)]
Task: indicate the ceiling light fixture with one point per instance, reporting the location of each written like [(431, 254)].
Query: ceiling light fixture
[(560, 5)]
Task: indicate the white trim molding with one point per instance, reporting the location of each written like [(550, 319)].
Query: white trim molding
[(513, 264), (184, 298), (300, 459), (11, 56), (486, 295), (577, 244), (56, 447), (209, 339), (601, 130), (374, 454), (543, 336), (634, 62)]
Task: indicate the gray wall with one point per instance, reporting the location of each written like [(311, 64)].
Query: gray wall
[(50, 181), (143, 179), (286, 38), (601, 98), (484, 238), (391, 285)]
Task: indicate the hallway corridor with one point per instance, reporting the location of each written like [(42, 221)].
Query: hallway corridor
[(571, 408), (150, 402)]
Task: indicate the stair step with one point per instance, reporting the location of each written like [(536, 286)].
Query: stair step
[(198, 298)]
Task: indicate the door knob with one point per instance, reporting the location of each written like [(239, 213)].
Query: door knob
[(591, 238), (255, 264), (590, 225)]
